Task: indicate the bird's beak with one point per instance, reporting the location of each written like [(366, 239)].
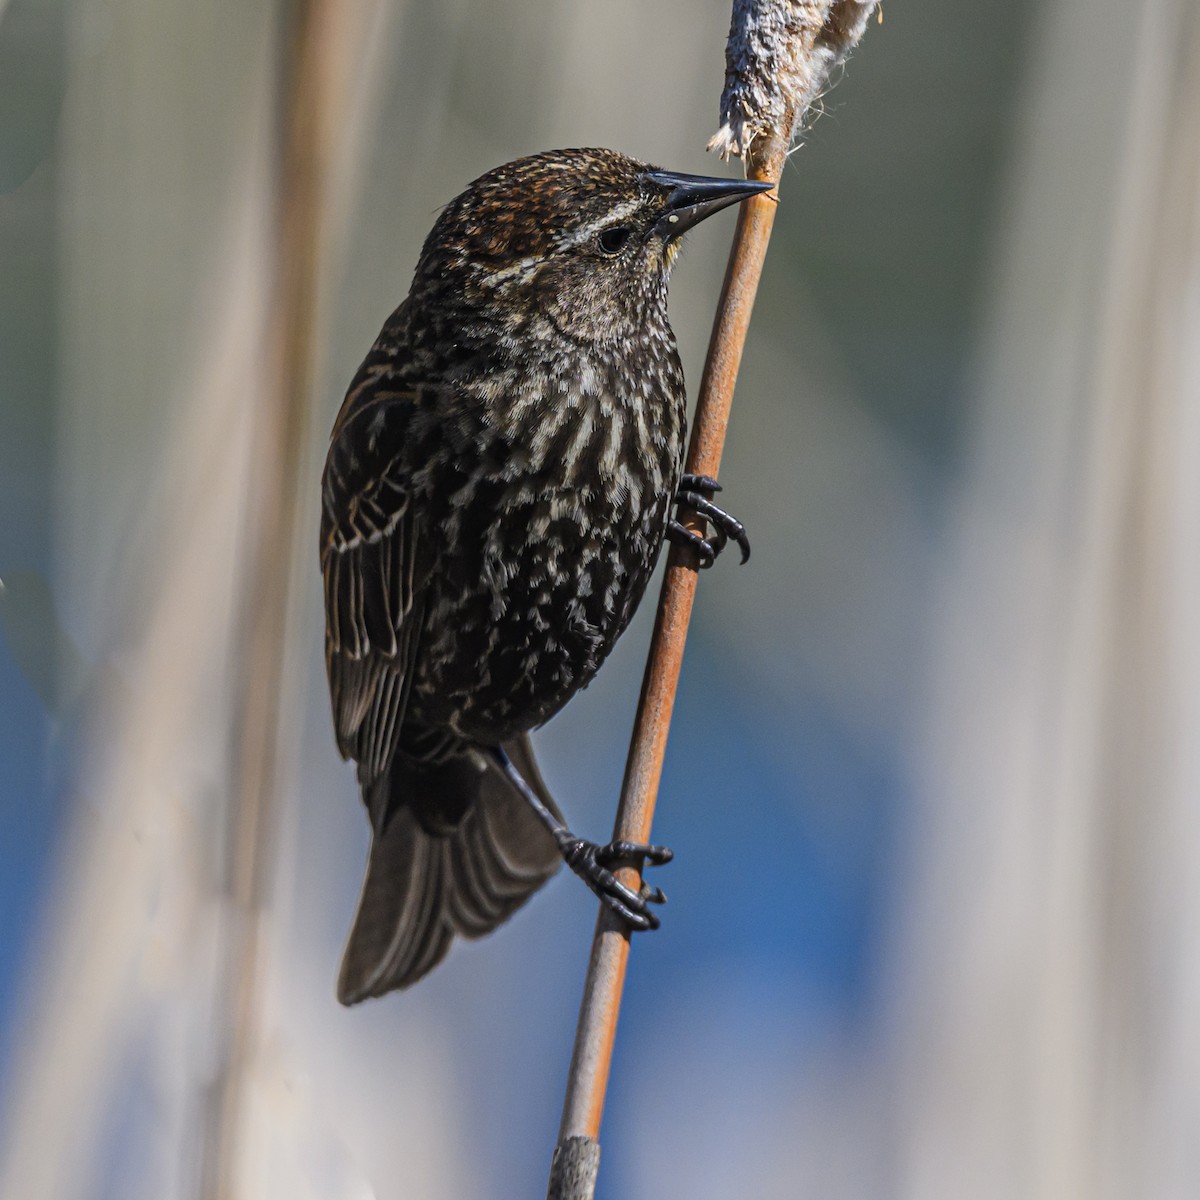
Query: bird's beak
[(691, 198)]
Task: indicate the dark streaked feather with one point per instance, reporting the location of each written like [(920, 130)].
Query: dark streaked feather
[(428, 880), (374, 572)]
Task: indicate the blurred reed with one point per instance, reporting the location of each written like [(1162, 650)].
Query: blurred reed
[(1050, 969), (323, 43)]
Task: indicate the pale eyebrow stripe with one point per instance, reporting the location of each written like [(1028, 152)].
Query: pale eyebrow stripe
[(615, 217), (522, 267), (610, 218)]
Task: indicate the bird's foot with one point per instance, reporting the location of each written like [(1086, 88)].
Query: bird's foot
[(695, 492), (593, 864)]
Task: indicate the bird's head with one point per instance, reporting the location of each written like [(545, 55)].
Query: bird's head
[(583, 239)]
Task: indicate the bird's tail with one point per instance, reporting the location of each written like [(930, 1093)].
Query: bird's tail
[(431, 876)]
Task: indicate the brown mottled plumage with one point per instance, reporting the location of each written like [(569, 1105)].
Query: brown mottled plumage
[(498, 486)]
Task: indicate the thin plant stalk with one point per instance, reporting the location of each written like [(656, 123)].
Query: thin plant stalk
[(778, 58), (576, 1157)]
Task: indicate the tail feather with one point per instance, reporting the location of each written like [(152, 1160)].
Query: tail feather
[(488, 880), (431, 940), (427, 882)]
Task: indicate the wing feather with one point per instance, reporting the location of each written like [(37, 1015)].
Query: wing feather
[(374, 568)]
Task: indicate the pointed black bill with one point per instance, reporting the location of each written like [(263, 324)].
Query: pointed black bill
[(691, 198)]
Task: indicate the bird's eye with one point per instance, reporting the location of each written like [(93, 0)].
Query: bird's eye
[(613, 240)]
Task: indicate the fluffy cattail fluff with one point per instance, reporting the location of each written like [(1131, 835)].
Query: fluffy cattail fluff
[(777, 61)]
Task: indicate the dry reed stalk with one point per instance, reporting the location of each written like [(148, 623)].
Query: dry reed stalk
[(778, 59)]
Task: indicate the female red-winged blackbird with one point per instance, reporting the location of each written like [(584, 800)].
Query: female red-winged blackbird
[(499, 483)]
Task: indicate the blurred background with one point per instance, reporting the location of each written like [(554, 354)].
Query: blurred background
[(934, 777)]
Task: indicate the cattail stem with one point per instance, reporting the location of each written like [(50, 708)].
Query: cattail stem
[(778, 58), (576, 1157)]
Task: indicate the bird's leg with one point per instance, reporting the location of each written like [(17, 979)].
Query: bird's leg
[(593, 863), (696, 492)]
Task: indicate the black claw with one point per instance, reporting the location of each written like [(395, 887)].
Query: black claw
[(695, 492), (683, 536), (591, 863), (699, 483), (627, 854)]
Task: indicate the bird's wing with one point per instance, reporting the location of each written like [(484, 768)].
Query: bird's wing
[(374, 566)]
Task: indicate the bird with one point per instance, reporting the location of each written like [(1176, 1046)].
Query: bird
[(500, 480)]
